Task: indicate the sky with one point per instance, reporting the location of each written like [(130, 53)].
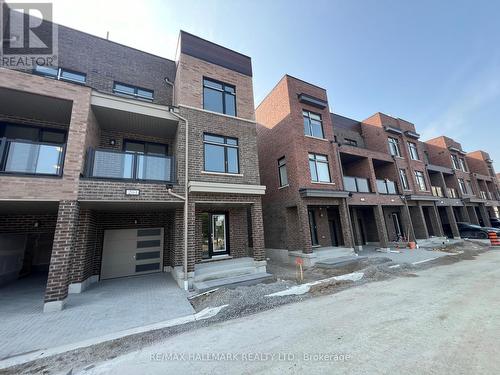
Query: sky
[(433, 63)]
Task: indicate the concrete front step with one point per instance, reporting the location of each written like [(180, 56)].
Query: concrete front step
[(247, 279), (339, 262), (227, 268)]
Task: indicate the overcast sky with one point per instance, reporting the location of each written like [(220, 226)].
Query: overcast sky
[(434, 63)]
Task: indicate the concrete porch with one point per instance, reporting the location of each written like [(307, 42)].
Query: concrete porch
[(226, 272), (106, 307), (319, 254)]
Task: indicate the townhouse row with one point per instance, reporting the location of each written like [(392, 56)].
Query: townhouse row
[(117, 163), (336, 182)]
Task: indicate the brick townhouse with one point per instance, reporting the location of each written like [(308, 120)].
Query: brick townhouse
[(117, 162), (334, 182)]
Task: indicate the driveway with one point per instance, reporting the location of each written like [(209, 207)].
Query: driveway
[(106, 307), (445, 321)]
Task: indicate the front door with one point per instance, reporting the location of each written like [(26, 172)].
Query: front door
[(397, 224), (313, 228), (215, 234)]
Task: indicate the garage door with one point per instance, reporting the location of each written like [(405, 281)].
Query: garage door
[(129, 252)]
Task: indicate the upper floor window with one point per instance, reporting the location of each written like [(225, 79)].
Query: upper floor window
[(491, 171), (462, 186), (145, 148), (463, 165), (419, 177), (282, 172), (313, 124), (60, 74), (404, 179), (455, 162), (394, 147), (413, 151), (318, 165), (133, 91), (350, 142), (219, 97), (221, 154)]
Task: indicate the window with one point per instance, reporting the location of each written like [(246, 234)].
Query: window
[(419, 176), (318, 165), (394, 147), (463, 165), (350, 142), (404, 179), (454, 160), (219, 97), (413, 151), (461, 185), (313, 125), (282, 172), (133, 92), (31, 133), (60, 74), (469, 187), (145, 148), (221, 154)]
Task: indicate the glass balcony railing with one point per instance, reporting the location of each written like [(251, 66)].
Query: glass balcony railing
[(111, 164), (356, 184), (452, 193), (437, 191), (386, 187), (32, 158)]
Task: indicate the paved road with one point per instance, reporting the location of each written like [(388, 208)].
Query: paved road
[(445, 321)]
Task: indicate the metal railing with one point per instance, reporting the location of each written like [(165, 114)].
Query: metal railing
[(386, 187), (437, 191), (31, 158), (111, 164), (356, 184)]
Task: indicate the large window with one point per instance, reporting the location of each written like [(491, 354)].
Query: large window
[(313, 125), (463, 165), (404, 179), (419, 177), (60, 74), (318, 164), (145, 147), (219, 97), (394, 147), (455, 162), (282, 172), (462, 186), (221, 154), (133, 91), (412, 147)]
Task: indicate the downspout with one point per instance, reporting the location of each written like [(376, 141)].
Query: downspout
[(186, 191)]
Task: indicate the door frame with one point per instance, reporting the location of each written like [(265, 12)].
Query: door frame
[(313, 227), (211, 253), (397, 223)]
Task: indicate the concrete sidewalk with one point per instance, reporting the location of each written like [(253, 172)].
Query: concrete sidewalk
[(106, 307)]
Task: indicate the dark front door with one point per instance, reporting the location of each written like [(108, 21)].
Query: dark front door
[(215, 234), (333, 232), (313, 228), (397, 224), (479, 217)]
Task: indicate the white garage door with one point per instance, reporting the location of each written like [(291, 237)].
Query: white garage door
[(129, 252)]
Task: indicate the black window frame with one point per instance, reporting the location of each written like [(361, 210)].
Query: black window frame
[(455, 161), (223, 91), (403, 177), (350, 142), (462, 186), (135, 95), (282, 165), (59, 74), (413, 150), (307, 114), (420, 177), (225, 145), (327, 162), (463, 164), (396, 145), (146, 144)]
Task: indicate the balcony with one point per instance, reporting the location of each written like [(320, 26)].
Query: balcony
[(437, 191), (452, 193), (31, 158), (129, 166), (356, 184), (386, 187)]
